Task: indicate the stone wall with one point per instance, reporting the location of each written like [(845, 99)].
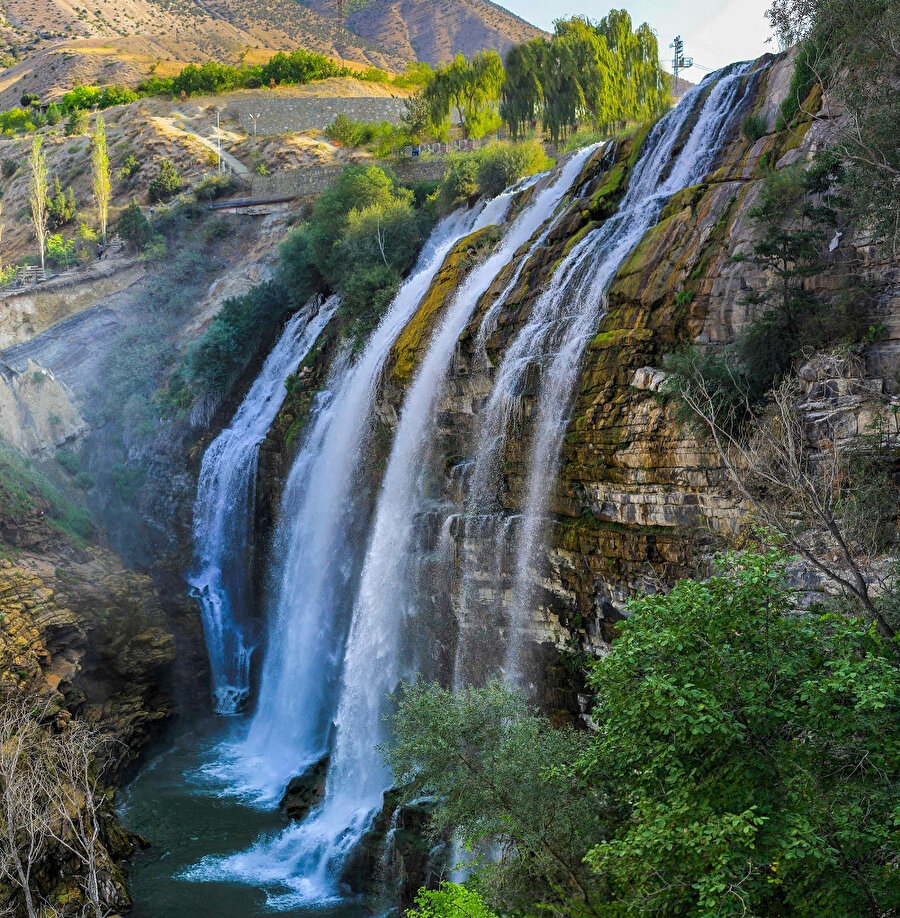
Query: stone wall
[(305, 182), (285, 116)]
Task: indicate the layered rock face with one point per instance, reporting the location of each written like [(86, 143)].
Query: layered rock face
[(639, 501)]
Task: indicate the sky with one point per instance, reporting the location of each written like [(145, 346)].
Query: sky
[(715, 32)]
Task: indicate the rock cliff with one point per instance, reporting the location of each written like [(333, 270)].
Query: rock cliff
[(639, 501)]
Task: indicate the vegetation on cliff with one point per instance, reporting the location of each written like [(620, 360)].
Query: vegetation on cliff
[(744, 760)]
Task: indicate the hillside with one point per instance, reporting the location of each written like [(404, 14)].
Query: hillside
[(49, 45)]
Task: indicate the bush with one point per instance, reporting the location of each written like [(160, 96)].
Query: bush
[(130, 165), (367, 296), (166, 184), (9, 167), (60, 252), (716, 779), (501, 166), (78, 123), (69, 460), (215, 186), (61, 206), (343, 131), (220, 356), (17, 120), (460, 182), (54, 114), (753, 127), (134, 227)]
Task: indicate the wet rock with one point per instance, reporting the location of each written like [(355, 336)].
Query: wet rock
[(305, 791)]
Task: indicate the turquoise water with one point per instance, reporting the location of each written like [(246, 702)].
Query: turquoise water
[(186, 817)]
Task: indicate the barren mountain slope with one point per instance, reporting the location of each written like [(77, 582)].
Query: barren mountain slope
[(60, 42)]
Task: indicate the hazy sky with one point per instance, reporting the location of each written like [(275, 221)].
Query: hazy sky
[(715, 32)]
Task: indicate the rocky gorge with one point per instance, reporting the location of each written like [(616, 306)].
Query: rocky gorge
[(637, 499)]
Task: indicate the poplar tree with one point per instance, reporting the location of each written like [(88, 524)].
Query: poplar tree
[(102, 185), (38, 186)]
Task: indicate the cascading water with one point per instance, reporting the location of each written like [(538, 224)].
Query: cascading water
[(306, 859), (553, 339), (222, 512), (316, 553), (342, 628)]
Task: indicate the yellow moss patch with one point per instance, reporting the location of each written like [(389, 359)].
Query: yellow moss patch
[(406, 349)]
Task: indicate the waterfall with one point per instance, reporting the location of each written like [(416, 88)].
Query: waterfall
[(317, 552), (345, 619), (223, 510), (552, 341)]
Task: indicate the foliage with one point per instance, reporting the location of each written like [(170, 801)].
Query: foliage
[(87, 97), (495, 767), (744, 760), (602, 74), (383, 139), (852, 48), (753, 127), (222, 353), (9, 167), (792, 220), (134, 227), (756, 750), (130, 165), (472, 87), (61, 206), (78, 123), (489, 170), (215, 186), (363, 234), (725, 383), (60, 251), (100, 177), (17, 120), (451, 900), (166, 184), (499, 166), (26, 489), (37, 193)]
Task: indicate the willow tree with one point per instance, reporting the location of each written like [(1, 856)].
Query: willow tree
[(102, 185), (522, 94), (602, 74), (472, 87), (38, 186)]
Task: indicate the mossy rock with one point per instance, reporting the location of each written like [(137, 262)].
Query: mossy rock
[(409, 346)]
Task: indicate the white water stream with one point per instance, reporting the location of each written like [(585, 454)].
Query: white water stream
[(344, 619)]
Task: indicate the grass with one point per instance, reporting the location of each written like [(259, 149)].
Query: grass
[(25, 490)]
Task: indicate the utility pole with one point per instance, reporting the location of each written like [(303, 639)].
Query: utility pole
[(218, 143), (679, 61)]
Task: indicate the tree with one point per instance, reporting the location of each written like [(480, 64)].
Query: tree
[(793, 484), (496, 768), (522, 94), (166, 183), (472, 87), (102, 185), (61, 206), (851, 48), (755, 749), (416, 116), (37, 188), (744, 759)]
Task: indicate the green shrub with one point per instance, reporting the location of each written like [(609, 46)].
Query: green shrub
[(60, 251), (166, 184), (17, 120), (753, 127), (69, 460), (134, 227), (343, 131), (130, 165), (226, 346), (367, 296), (9, 167), (61, 206), (84, 481), (460, 182), (78, 123), (215, 186), (24, 489), (499, 166), (697, 373), (54, 114)]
